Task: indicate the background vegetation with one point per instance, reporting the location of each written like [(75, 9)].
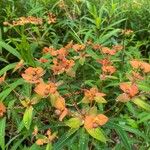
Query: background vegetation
[(80, 21)]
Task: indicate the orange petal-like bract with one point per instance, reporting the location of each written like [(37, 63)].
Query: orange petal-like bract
[(2, 109), (33, 75), (92, 121), (130, 89), (45, 90)]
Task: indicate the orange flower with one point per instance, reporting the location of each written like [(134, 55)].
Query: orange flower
[(2, 79), (127, 31), (108, 69), (40, 141), (44, 90), (91, 94), (78, 47), (51, 18), (26, 20), (33, 75), (46, 139), (62, 52), (96, 46), (2, 109), (61, 109), (135, 64), (104, 62), (50, 50), (130, 89), (117, 47), (62, 65), (43, 60), (92, 121), (140, 65), (135, 76), (106, 50)]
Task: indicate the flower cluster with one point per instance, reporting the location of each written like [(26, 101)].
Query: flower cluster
[(25, 20)]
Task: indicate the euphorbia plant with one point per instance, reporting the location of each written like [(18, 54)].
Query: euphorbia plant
[(58, 93)]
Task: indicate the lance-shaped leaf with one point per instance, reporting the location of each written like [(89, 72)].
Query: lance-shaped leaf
[(2, 133), (100, 99), (27, 118), (141, 103), (97, 133), (49, 146), (74, 122)]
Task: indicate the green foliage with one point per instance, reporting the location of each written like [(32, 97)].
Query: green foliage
[(55, 95)]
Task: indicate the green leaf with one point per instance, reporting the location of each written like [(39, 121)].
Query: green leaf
[(124, 137), (122, 134), (35, 147), (144, 87), (141, 103), (73, 123), (93, 54), (8, 67), (12, 86), (137, 132), (83, 139), (100, 99), (144, 117), (85, 100), (3, 60), (49, 146), (82, 60), (93, 111), (97, 133), (18, 143), (107, 36), (10, 49), (63, 140), (2, 133), (27, 118)]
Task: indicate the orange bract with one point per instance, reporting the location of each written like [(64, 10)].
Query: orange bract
[(50, 50), (26, 20), (136, 76), (46, 139), (92, 121), (106, 50), (104, 62), (78, 47), (127, 31), (62, 65), (33, 75), (43, 60), (140, 65), (108, 69), (130, 89), (96, 46), (117, 47), (51, 18), (60, 106), (2, 109), (45, 90), (91, 94)]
